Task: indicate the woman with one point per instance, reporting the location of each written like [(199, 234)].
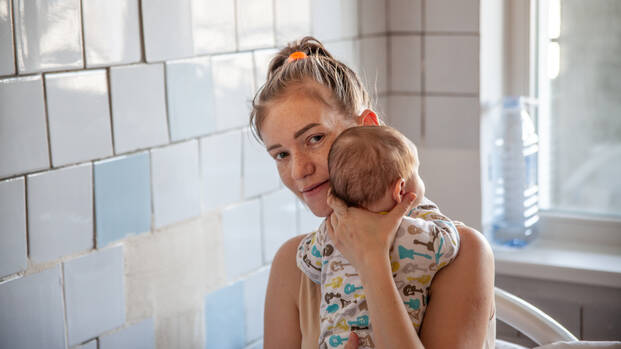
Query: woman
[(308, 100)]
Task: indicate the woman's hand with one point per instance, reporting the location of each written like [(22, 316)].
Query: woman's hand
[(352, 342), (364, 237)]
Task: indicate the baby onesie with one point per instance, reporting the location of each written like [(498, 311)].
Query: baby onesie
[(425, 242)]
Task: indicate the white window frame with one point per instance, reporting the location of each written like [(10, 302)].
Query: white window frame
[(527, 21)]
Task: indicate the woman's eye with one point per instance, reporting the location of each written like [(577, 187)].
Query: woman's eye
[(280, 156), (315, 139)]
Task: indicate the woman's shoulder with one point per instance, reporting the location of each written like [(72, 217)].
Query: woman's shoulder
[(284, 269), (474, 245)]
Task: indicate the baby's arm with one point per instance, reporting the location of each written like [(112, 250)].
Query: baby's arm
[(445, 238)]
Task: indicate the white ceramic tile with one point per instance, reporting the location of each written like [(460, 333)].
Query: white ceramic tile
[(79, 116), (255, 24), (307, 221), (32, 312), (334, 20), (405, 63), (12, 226), (292, 20), (452, 122), (23, 132), (138, 107), (452, 16), (254, 301), (48, 35), (190, 94), (7, 59), (136, 336), (373, 16), (233, 85), (259, 169), (213, 24), (453, 181), (405, 15), (167, 29), (374, 64), (175, 176), (346, 51), (94, 294), (221, 166), (60, 212), (241, 234), (452, 64), (111, 32), (279, 221), (262, 60), (405, 116)]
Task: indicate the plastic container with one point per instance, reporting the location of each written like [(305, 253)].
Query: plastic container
[(515, 214)]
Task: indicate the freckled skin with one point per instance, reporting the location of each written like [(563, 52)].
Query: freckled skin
[(302, 161)]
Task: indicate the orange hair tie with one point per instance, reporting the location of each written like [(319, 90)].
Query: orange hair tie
[(296, 55)]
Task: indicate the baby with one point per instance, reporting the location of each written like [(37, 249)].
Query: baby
[(373, 167)]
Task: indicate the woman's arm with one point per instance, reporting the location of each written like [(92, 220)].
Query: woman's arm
[(281, 317), (364, 239), (462, 297)]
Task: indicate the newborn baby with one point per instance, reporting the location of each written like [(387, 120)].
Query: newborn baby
[(372, 167)]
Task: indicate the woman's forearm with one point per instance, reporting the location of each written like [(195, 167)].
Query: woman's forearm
[(392, 327)]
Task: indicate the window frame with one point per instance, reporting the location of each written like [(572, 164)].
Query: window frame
[(554, 224)]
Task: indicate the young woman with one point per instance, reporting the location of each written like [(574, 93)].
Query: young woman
[(308, 100)]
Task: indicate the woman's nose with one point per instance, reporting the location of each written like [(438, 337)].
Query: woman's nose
[(302, 167)]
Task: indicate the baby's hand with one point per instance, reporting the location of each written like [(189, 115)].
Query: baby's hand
[(364, 237)]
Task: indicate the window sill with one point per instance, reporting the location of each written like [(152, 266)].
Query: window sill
[(549, 260)]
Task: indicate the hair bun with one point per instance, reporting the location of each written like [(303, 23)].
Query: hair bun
[(308, 45)]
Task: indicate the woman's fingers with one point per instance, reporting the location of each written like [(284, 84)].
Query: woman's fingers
[(402, 208), (352, 342), (336, 204)]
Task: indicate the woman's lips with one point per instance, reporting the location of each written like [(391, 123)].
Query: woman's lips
[(314, 190)]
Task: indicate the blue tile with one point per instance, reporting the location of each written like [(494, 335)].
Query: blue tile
[(32, 312), (12, 226), (241, 230), (255, 287), (224, 318), (137, 336), (190, 98), (94, 294), (122, 197)]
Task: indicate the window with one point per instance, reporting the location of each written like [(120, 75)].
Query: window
[(577, 69)]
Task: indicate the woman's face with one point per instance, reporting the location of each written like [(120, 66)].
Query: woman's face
[(298, 132)]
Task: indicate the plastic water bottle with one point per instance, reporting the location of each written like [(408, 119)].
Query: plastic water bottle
[(514, 166)]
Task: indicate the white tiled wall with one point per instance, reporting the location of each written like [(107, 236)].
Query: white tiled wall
[(89, 82)]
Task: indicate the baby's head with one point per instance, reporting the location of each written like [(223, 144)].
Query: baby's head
[(373, 167)]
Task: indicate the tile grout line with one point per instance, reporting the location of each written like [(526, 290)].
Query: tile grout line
[(27, 220), (423, 109), (64, 300), (110, 111), (143, 49), (83, 34), (93, 203), (48, 132), (166, 104), (13, 26)]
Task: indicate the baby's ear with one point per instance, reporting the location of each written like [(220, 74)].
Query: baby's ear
[(398, 190)]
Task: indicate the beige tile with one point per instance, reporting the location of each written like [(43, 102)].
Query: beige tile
[(452, 64)]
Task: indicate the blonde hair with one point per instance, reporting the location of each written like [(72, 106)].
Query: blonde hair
[(348, 94), (365, 161)]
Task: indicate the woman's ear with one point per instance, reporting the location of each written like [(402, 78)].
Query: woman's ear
[(368, 118)]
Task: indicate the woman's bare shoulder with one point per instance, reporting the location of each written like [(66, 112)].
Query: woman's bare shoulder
[(474, 245), (284, 271)]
